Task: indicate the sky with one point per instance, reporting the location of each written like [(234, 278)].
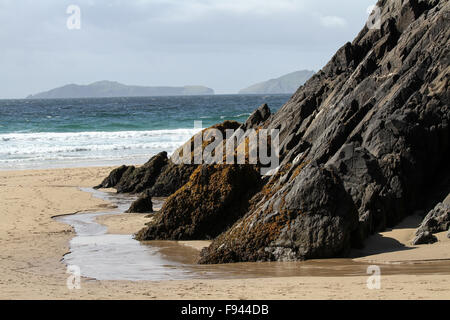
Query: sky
[(226, 45)]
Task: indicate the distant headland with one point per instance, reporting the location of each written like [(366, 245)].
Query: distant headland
[(110, 89), (288, 83)]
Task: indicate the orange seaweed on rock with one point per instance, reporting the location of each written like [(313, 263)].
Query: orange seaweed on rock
[(363, 143), (211, 201)]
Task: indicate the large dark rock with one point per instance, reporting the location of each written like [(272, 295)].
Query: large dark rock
[(375, 123), (143, 204), (206, 137), (364, 143), (211, 201), (311, 216), (172, 177), (134, 180), (176, 173), (160, 176), (113, 178), (437, 220), (257, 118)]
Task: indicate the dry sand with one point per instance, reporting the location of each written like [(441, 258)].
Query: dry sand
[(394, 245), (32, 245)]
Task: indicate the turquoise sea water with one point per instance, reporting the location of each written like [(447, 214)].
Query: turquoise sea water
[(110, 131)]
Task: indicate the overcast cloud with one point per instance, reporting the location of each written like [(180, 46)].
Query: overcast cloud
[(223, 44)]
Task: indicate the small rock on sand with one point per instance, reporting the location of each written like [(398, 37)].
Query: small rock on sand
[(424, 237)]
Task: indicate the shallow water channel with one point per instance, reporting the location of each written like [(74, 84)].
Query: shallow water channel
[(104, 256)]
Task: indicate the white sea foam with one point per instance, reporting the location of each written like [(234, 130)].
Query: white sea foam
[(44, 149)]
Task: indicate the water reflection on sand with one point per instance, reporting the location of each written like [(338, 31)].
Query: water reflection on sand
[(105, 256)]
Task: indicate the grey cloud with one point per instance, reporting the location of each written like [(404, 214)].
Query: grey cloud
[(224, 44)]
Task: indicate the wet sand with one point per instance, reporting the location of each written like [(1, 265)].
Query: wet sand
[(104, 255), (33, 244)]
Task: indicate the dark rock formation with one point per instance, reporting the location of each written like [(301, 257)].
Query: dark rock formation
[(363, 143), (215, 195), (160, 176), (211, 201), (257, 118), (113, 178), (143, 204), (437, 220), (134, 180), (196, 151), (424, 237), (172, 177), (312, 217)]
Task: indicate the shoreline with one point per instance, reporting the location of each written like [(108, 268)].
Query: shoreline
[(129, 223), (33, 245)]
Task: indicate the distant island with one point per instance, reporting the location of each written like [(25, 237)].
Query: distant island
[(288, 83), (109, 89)]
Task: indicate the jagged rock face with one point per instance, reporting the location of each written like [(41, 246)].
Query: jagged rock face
[(160, 176), (215, 195), (134, 180), (113, 178), (424, 237), (174, 175), (257, 117), (375, 123), (312, 217), (143, 204), (205, 136), (211, 201), (437, 220), (172, 178)]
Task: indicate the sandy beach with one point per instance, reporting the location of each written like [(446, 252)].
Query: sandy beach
[(33, 244)]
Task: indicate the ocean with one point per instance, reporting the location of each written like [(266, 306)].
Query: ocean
[(37, 134)]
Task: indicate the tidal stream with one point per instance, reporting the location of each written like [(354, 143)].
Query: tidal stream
[(104, 256)]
